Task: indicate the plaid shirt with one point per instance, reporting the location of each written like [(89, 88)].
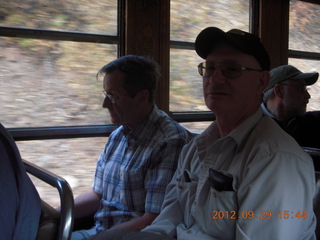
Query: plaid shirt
[(135, 167)]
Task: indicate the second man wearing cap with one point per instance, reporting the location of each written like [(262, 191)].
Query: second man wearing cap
[(285, 100)]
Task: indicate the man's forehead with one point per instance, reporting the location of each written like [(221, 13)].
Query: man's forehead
[(114, 79)]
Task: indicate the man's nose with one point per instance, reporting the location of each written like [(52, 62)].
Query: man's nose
[(106, 103), (307, 94), (216, 75)]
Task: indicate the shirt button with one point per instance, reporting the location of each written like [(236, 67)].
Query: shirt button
[(189, 231), (121, 174)]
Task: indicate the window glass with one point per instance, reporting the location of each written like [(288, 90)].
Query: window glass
[(73, 159), (196, 127), (309, 66), (52, 83), (304, 21), (185, 82), (187, 20), (92, 16)]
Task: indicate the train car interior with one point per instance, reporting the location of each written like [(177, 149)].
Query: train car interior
[(51, 99)]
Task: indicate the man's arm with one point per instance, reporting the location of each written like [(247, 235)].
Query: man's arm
[(136, 224), (87, 203), (171, 214)]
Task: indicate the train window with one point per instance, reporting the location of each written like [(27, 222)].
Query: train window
[(304, 23), (304, 43), (67, 15), (50, 83), (73, 159), (186, 83), (50, 58), (50, 54), (188, 18)]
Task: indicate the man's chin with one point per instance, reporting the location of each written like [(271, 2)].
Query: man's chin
[(301, 113), (115, 120)]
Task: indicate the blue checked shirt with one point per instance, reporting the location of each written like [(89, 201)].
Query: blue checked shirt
[(135, 168)]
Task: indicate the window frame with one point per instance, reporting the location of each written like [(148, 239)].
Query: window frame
[(155, 15)]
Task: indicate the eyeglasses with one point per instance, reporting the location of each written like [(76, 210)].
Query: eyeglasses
[(109, 96), (228, 70), (300, 87)]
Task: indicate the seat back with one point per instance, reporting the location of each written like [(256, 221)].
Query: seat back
[(52, 224), (316, 204), (19, 199)]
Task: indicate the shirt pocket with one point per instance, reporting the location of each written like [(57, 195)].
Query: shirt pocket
[(132, 190), (186, 192), (221, 213)]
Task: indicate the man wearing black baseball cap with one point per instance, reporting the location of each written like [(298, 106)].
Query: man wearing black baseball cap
[(236, 178), (243, 177), (285, 100)]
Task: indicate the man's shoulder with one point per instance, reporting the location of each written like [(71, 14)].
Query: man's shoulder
[(170, 128), (274, 139), (315, 114), (306, 129), (311, 117)]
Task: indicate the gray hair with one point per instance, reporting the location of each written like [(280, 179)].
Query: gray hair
[(267, 95), (140, 73)]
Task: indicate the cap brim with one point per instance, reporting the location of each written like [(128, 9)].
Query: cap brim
[(310, 78)]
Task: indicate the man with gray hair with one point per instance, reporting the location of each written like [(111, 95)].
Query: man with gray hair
[(285, 100), (140, 156)]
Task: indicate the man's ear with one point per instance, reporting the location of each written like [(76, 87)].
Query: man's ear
[(143, 95), (278, 90), (264, 79)]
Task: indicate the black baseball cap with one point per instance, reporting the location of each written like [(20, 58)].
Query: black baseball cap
[(244, 41)]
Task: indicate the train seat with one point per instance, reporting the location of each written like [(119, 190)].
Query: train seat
[(54, 225), (317, 204)]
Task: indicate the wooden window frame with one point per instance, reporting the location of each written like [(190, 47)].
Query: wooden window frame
[(147, 22)]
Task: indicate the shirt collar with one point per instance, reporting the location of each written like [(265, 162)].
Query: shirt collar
[(238, 135), (245, 128), (142, 133), (266, 110)]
